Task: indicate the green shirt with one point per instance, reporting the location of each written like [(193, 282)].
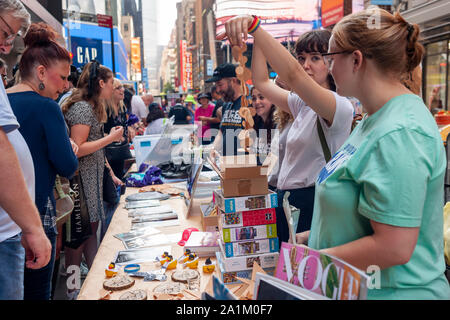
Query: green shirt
[(390, 170)]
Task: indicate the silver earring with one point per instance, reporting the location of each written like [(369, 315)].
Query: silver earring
[(41, 86)]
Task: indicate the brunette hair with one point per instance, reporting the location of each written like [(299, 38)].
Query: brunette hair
[(41, 49), (315, 41), (155, 113), (269, 124), (88, 89), (392, 44)]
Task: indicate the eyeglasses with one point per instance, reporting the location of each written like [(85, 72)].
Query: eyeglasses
[(9, 37), (329, 56), (119, 88)]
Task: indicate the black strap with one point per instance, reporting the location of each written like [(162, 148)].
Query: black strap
[(323, 141)]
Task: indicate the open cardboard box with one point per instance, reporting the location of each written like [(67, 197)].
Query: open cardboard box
[(209, 223), (241, 175)]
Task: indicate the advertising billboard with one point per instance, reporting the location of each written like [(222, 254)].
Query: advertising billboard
[(186, 67), (332, 12), (183, 62), (136, 53), (86, 49), (282, 18)]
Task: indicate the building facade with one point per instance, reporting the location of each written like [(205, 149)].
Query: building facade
[(433, 17)]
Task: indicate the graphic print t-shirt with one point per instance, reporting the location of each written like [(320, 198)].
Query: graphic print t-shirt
[(230, 127)]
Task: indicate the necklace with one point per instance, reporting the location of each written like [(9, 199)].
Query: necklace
[(29, 85)]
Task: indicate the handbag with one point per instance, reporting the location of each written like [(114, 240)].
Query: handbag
[(323, 141), (78, 227), (110, 195), (64, 198), (117, 151)]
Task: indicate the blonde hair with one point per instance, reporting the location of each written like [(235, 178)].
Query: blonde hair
[(88, 89), (388, 40), (110, 110), (282, 118)]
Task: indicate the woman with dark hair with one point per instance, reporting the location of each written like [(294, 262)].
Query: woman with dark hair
[(264, 123), (155, 119), (85, 114), (44, 69), (304, 153)]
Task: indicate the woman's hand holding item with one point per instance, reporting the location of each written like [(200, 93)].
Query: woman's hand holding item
[(116, 133), (237, 29), (302, 238)]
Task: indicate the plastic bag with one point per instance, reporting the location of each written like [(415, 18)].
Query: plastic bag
[(447, 233)]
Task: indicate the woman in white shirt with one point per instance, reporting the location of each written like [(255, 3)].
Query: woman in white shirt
[(156, 121), (304, 156)]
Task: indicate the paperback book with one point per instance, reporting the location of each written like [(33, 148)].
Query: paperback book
[(242, 248), (236, 204), (249, 233), (265, 260), (320, 273), (247, 218)]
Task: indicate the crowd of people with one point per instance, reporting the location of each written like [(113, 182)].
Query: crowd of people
[(369, 192)]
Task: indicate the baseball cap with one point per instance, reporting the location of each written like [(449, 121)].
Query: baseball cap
[(203, 95), (226, 70)]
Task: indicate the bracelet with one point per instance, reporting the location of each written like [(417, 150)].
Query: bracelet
[(255, 24), (131, 268)]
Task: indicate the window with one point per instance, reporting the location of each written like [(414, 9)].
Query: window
[(436, 73)]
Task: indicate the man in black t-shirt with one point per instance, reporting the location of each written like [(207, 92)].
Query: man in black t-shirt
[(226, 141), (180, 112), (217, 112)]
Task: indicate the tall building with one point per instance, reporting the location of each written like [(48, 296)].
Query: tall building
[(168, 69), (133, 8), (87, 40), (150, 39)]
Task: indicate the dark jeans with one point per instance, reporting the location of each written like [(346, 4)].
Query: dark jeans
[(117, 167), (109, 212), (302, 199), (38, 283)]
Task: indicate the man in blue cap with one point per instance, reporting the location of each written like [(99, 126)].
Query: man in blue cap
[(229, 86)]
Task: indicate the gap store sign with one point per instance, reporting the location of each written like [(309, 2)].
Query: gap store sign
[(86, 49)]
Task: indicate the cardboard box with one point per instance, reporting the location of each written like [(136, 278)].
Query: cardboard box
[(241, 176), (237, 204), (247, 218), (248, 247), (265, 260), (244, 186), (249, 233), (230, 277), (209, 223)]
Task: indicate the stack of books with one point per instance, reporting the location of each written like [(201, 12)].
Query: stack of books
[(248, 233)]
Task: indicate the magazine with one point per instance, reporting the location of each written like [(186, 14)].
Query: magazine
[(268, 287), (320, 273), (154, 224), (140, 255), (149, 211), (136, 233), (142, 204), (151, 240)]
